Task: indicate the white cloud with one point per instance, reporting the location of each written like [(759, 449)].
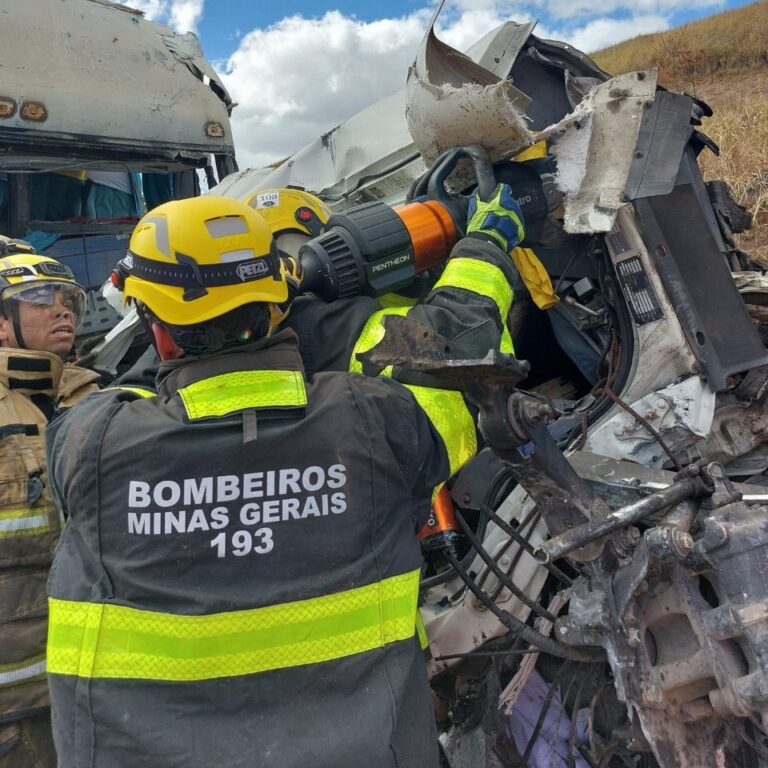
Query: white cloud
[(181, 15), (602, 33), (301, 77), (184, 14)]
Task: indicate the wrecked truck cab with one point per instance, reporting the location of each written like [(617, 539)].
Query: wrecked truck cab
[(653, 363), (103, 115)]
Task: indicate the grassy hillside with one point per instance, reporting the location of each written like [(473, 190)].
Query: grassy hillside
[(722, 59)]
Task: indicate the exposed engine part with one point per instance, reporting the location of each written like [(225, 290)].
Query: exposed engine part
[(688, 486), (685, 625)]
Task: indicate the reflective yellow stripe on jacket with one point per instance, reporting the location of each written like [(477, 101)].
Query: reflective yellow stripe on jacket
[(97, 640), (451, 418), (239, 390), (371, 335)]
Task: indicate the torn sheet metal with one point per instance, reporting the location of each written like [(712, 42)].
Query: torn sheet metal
[(594, 147), (442, 117), (681, 413), (451, 101)]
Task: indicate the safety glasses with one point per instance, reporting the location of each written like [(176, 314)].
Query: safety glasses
[(45, 296)]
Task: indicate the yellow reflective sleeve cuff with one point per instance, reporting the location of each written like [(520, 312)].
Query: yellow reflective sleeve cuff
[(113, 641), (451, 419), (140, 391), (481, 278), (371, 335), (240, 390)]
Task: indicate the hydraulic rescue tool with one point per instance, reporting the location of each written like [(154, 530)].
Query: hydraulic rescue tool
[(374, 249)]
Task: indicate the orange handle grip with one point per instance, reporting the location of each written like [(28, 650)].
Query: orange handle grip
[(432, 232), (442, 518)]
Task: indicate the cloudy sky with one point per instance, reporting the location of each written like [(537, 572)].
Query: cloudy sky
[(297, 68)]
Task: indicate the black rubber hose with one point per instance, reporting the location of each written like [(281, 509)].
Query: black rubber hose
[(500, 575), (526, 545), (526, 633)]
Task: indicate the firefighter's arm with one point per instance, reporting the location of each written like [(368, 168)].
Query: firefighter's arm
[(471, 299), (69, 445), (431, 432), (470, 302)]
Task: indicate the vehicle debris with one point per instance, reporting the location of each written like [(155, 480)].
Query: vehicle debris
[(668, 379)]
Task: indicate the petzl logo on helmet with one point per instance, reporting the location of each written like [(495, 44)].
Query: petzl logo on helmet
[(252, 269)]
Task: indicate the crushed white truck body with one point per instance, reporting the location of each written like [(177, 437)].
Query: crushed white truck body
[(653, 341)]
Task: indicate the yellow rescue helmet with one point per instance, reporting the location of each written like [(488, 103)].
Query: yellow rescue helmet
[(290, 210), (10, 246), (192, 260), (29, 277)]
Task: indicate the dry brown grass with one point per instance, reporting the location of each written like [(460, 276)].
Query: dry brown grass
[(723, 44), (741, 131), (722, 59)]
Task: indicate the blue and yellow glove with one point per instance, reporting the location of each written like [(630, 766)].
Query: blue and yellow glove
[(499, 219)]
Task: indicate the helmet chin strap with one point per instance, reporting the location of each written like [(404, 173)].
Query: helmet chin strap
[(11, 312), (17, 333)]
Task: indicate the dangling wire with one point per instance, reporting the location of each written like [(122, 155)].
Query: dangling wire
[(605, 389), (526, 545), (517, 627), (499, 574)]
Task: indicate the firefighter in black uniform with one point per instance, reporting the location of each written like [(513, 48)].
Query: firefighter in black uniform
[(238, 578)]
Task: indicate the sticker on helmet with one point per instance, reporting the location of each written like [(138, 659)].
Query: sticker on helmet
[(54, 269), (267, 199)]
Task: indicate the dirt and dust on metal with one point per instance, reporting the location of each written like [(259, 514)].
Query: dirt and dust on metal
[(605, 602)]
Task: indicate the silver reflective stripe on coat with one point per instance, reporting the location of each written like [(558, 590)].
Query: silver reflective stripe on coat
[(10, 675), (16, 524)]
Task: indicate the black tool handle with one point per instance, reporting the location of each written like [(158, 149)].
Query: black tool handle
[(445, 165)]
